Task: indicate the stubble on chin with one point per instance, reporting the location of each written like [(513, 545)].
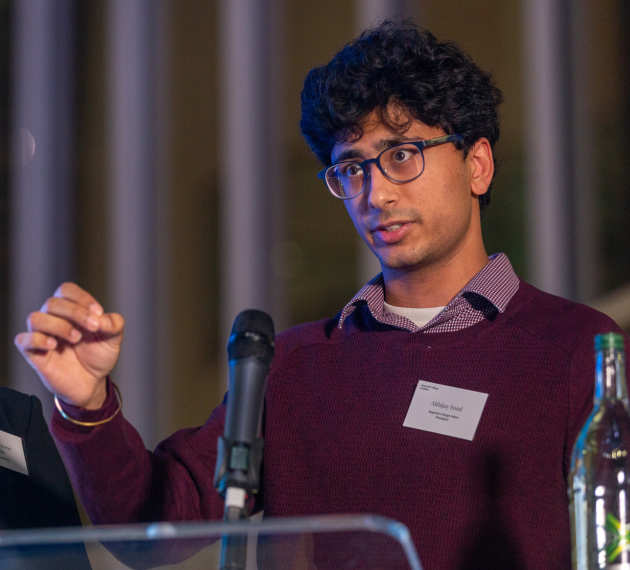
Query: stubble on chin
[(402, 264), (401, 261)]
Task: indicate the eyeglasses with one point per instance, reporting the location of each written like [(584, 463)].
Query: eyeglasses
[(400, 164)]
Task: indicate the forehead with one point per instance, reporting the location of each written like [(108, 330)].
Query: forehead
[(377, 134)]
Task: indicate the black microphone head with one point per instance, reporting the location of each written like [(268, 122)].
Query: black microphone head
[(252, 335)]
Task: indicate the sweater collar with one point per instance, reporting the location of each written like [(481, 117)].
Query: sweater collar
[(485, 295)]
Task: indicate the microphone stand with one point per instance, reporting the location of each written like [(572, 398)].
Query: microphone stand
[(237, 476)]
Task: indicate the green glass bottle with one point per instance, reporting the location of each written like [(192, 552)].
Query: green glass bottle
[(599, 486)]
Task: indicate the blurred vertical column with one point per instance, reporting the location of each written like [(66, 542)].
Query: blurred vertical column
[(370, 13), (136, 286), (585, 227), (251, 159), (548, 143), (41, 186)]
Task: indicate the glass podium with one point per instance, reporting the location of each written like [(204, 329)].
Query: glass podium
[(327, 542)]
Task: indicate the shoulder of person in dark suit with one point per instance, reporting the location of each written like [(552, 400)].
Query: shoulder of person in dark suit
[(44, 497)]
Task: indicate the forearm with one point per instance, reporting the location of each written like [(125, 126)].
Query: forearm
[(107, 464), (119, 481)]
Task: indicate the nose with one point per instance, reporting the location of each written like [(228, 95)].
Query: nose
[(381, 192)]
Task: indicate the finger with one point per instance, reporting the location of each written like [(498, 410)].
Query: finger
[(77, 314), (26, 342), (73, 292), (112, 323), (53, 326)]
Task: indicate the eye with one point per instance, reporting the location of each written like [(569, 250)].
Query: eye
[(350, 169), (402, 154)]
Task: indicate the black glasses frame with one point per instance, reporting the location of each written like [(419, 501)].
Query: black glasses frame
[(420, 145)]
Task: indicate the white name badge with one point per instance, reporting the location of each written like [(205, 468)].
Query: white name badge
[(12, 453), (445, 410)]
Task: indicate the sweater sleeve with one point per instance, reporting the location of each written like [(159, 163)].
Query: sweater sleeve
[(119, 481)]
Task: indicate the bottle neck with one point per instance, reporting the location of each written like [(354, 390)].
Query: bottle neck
[(610, 376)]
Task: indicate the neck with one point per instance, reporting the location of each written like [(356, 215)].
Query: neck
[(431, 284)]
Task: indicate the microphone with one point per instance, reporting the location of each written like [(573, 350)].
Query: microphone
[(239, 454)]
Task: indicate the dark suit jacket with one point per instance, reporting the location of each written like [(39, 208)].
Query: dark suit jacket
[(44, 497)]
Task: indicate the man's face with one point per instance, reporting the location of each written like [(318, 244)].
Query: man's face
[(419, 223)]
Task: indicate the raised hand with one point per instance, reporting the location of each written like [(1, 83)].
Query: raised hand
[(73, 345)]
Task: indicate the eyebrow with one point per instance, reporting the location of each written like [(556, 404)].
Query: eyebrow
[(382, 144)]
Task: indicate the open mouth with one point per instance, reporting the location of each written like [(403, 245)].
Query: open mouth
[(391, 233)]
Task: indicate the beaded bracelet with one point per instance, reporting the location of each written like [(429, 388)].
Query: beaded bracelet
[(91, 424)]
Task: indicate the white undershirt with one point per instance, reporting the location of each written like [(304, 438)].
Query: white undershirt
[(418, 316)]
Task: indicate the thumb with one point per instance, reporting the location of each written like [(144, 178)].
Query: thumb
[(111, 324)]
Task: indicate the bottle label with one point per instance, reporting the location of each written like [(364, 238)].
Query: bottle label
[(617, 541)]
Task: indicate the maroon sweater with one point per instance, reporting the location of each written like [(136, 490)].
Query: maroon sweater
[(335, 443)]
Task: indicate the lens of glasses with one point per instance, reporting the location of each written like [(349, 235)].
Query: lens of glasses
[(402, 163), (345, 179)]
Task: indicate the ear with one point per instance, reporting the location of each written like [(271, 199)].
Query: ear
[(481, 166)]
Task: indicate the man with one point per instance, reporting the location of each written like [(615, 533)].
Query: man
[(446, 394)]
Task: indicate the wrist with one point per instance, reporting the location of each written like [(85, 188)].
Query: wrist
[(85, 417), (99, 396), (94, 401)]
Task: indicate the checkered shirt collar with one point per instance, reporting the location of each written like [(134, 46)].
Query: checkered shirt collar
[(485, 295)]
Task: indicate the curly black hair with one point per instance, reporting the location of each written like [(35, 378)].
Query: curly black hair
[(434, 81)]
